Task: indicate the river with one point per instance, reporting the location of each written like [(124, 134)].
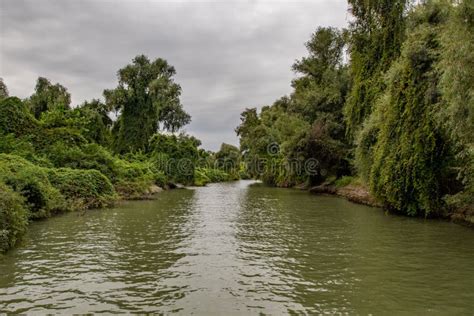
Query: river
[(240, 248)]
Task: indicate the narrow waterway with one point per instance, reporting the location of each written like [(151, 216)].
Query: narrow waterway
[(240, 248)]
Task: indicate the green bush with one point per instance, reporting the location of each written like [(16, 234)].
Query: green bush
[(200, 178), (208, 175), (344, 181), (244, 175), (32, 182), (82, 188), (175, 156), (94, 156), (89, 156), (15, 118), (160, 178), (133, 179), (13, 217), (20, 146), (47, 137)]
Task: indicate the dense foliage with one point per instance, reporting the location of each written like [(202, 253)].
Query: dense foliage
[(13, 217), (54, 157), (376, 35), (398, 117), (387, 104), (145, 97), (300, 139)]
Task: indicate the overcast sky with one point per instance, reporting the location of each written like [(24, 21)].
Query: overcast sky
[(229, 55)]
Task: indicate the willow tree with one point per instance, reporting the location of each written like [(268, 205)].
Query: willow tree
[(457, 87), (147, 99), (376, 35), (412, 155)]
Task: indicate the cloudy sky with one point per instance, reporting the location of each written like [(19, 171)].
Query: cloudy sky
[(229, 55)]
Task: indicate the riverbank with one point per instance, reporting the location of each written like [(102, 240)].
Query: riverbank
[(19, 216), (206, 250), (360, 194), (354, 193)]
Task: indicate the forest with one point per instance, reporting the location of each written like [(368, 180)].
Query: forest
[(386, 105), (56, 158)]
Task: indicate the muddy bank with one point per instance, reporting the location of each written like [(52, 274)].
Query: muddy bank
[(356, 194), (361, 195)]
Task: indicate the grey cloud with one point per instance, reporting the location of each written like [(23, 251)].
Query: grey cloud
[(228, 55)]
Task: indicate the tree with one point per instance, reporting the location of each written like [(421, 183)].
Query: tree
[(249, 120), (48, 97), (96, 122), (307, 125), (412, 154), (15, 118), (376, 35), (228, 159), (3, 90), (319, 96), (323, 84), (457, 85), (146, 96), (176, 156)]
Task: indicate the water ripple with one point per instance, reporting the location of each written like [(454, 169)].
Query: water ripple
[(238, 249)]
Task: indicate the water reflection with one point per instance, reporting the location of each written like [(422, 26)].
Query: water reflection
[(236, 248), (107, 260), (295, 261)]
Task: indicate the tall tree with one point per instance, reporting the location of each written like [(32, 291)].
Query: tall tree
[(228, 159), (376, 35), (412, 155), (95, 121), (3, 90), (457, 87), (319, 96), (146, 96), (322, 85), (48, 97)]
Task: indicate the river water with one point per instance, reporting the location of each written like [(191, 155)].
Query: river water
[(240, 248)]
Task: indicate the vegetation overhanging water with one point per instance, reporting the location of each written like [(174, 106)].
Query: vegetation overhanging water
[(238, 248), (381, 112)]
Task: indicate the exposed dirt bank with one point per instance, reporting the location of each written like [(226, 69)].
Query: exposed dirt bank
[(359, 194)]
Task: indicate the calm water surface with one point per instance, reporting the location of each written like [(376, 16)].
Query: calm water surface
[(237, 248)]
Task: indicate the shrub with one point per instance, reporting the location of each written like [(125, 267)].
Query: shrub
[(89, 156), (207, 175), (13, 217), (20, 146), (15, 118), (344, 181), (200, 178), (160, 178), (32, 182), (82, 188), (133, 189), (175, 156), (244, 175), (47, 137)]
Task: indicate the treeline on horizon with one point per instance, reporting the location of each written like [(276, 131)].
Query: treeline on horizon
[(387, 104), (54, 157)]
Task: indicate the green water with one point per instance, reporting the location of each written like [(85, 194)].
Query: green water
[(237, 248)]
